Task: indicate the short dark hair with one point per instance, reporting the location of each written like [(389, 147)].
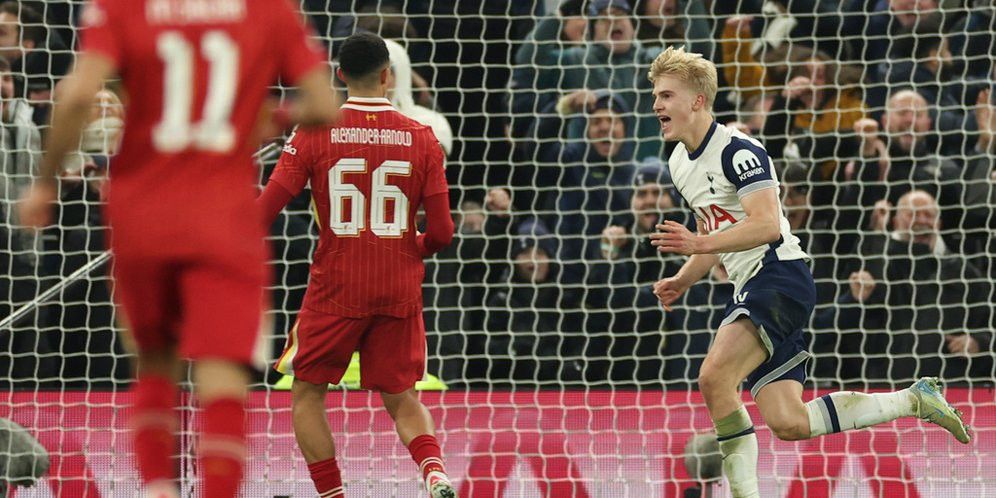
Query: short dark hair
[(363, 55), (30, 22), (572, 8)]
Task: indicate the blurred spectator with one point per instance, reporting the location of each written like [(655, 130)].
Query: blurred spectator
[(900, 161), (595, 177), (925, 64), (575, 27), (20, 152), (674, 22), (38, 58), (80, 326), (923, 309), (972, 40), (624, 274), (526, 334), (813, 98), (613, 60), (815, 234), (887, 22), (689, 327), (400, 93), (532, 87)]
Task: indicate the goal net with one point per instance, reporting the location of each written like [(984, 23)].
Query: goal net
[(554, 371)]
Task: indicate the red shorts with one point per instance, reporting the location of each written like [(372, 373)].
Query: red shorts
[(320, 346), (205, 307)]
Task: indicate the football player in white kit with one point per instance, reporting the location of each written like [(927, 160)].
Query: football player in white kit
[(728, 181)]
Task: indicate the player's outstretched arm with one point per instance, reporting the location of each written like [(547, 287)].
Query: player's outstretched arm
[(316, 102), (73, 100), (438, 225)]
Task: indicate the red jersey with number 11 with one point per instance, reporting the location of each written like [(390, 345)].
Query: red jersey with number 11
[(196, 73), (369, 174)]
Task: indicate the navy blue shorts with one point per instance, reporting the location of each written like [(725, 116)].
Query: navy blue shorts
[(779, 300)]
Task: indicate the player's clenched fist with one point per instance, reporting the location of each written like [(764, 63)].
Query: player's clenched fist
[(35, 208), (673, 237), (668, 290)]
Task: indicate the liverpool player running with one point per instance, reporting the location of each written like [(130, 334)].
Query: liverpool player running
[(368, 176), (186, 235), (728, 180)]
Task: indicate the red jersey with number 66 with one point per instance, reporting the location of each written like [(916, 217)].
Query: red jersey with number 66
[(369, 174), (196, 73)]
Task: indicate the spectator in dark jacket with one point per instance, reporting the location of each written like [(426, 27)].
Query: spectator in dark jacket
[(915, 308), (624, 274), (39, 57), (528, 336), (613, 60), (926, 65), (893, 164)]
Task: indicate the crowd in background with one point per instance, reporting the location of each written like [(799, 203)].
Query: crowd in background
[(879, 116)]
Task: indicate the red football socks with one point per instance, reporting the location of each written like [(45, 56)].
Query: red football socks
[(154, 424), (222, 447), (327, 479), (427, 454)]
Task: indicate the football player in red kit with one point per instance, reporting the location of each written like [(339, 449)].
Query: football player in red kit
[(189, 254), (369, 174)]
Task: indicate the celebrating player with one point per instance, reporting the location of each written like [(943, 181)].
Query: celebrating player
[(190, 260), (727, 179), (368, 176)]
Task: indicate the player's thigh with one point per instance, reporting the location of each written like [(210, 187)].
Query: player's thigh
[(734, 354), (392, 354), (147, 289), (222, 307), (320, 346)]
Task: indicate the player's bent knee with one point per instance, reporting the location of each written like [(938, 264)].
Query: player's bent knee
[(789, 430), (712, 383)]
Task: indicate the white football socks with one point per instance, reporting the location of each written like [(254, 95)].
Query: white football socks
[(845, 410), (738, 444)]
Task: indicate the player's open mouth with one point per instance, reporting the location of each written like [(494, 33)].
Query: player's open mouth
[(664, 120)]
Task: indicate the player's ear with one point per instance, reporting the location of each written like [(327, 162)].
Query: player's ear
[(699, 102), (385, 74), (339, 74)]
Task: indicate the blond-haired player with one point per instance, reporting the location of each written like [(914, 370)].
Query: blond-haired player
[(727, 179)]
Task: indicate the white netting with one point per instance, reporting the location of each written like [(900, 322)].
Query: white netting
[(564, 376)]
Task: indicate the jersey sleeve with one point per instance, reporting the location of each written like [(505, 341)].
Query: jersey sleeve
[(293, 170), (747, 167), (101, 34), (435, 176), (298, 53)]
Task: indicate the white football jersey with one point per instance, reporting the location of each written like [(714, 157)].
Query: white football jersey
[(713, 179)]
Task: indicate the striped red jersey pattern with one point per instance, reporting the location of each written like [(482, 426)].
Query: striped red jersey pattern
[(369, 174), (184, 177)]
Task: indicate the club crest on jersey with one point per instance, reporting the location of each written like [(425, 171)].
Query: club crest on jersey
[(288, 146), (746, 164), (371, 117), (711, 189)]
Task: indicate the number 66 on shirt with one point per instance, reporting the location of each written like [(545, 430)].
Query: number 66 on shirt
[(384, 195), (368, 175)]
